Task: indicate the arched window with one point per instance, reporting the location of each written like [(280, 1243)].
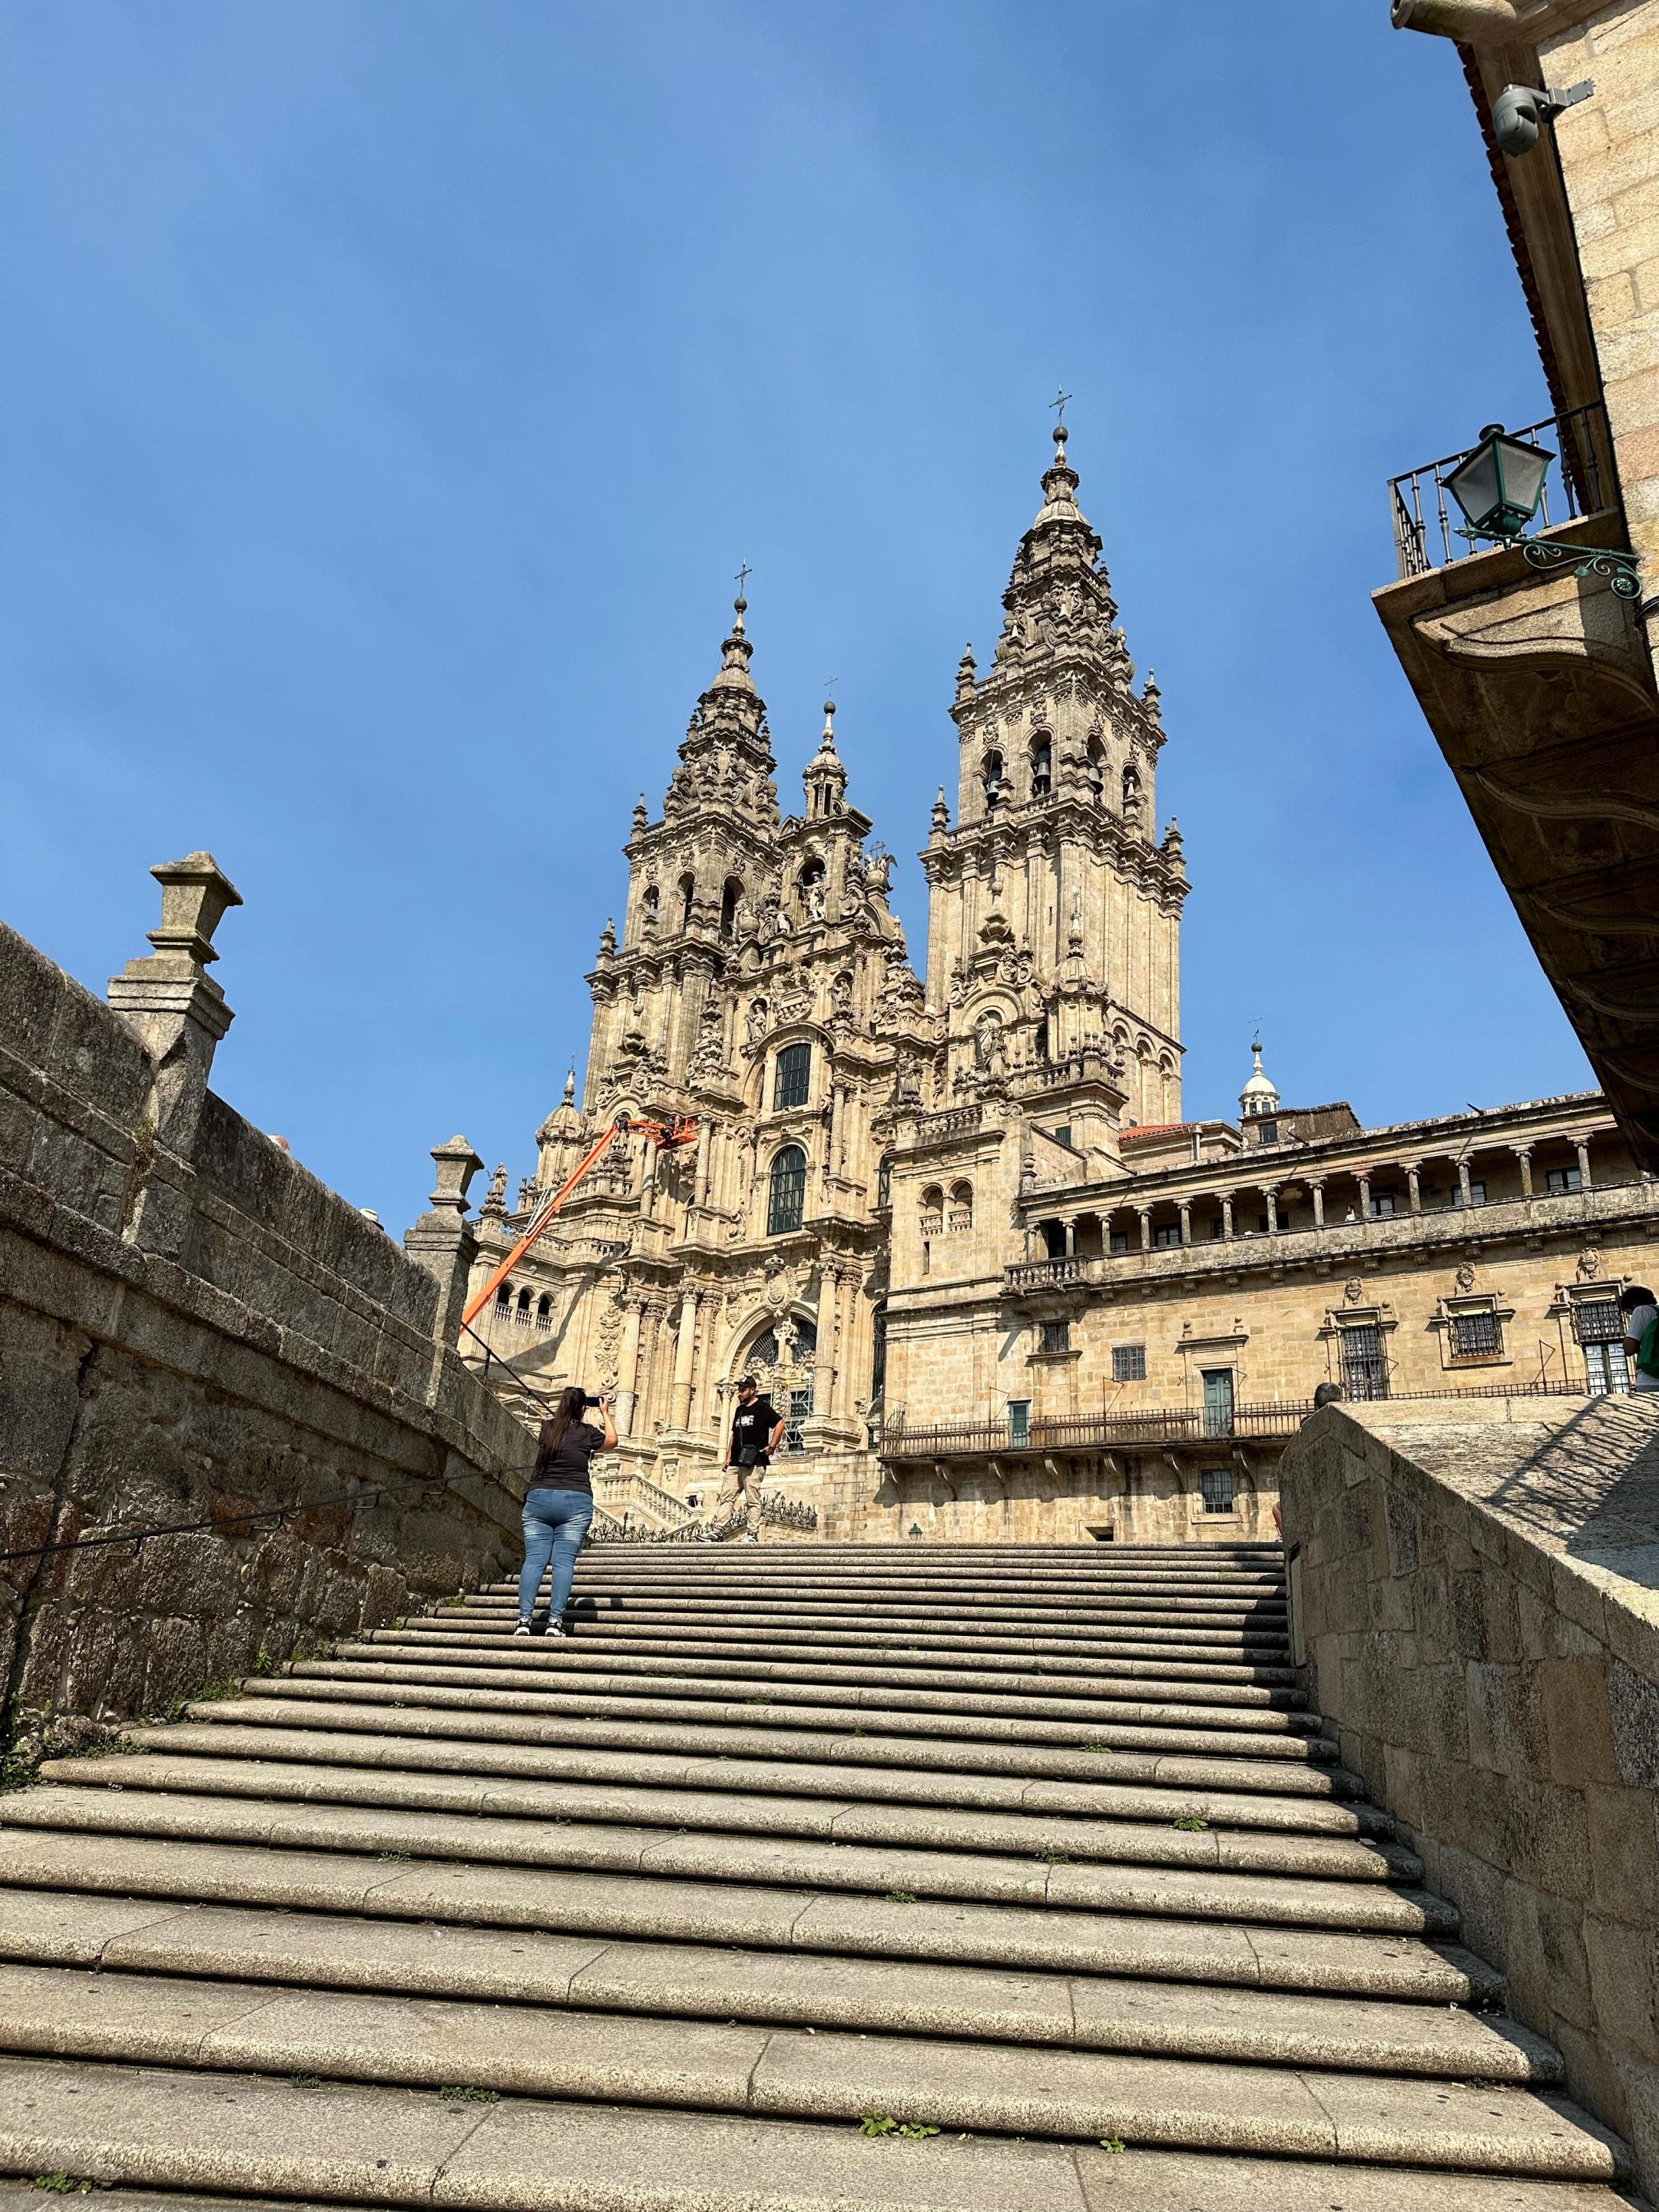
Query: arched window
[(933, 1213), (792, 1085), (503, 1298), (884, 1181), (521, 1311), (1042, 764), (1094, 769), (1131, 789), (649, 906), (809, 891), (688, 898), (991, 776), (729, 899), (545, 1311), (960, 1214), (787, 1199)]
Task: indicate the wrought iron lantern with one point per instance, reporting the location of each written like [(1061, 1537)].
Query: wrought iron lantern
[(1499, 484), (915, 1529)]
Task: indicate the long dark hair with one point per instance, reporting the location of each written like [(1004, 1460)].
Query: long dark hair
[(572, 1404)]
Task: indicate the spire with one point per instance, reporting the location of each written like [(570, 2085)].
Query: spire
[(570, 1086), (1060, 484), (1258, 1095), (824, 776), (735, 654)]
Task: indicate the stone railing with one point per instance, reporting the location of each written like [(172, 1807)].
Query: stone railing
[(1044, 1274), (234, 1414), (777, 1512), (1472, 1588), (623, 1491), (955, 1121)]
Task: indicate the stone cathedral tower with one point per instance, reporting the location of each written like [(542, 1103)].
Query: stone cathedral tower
[(862, 1142)]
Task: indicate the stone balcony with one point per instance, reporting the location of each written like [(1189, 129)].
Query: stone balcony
[(1329, 1246)]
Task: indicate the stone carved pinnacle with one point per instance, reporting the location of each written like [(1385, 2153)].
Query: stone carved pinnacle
[(457, 1164), (196, 895)]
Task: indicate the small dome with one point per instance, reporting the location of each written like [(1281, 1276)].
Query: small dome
[(1259, 1095)]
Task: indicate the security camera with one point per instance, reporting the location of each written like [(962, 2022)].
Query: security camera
[(1521, 111)]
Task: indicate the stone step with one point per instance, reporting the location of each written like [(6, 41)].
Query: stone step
[(843, 1785), (780, 2072), (1271, 1899), (1251, 1732), (595, 1573), (1258, 1617), (1130, 1842), (1267, 1658), (1045, 1939), (892, 1746), (809, 1661), (159, 2134), (703, 1981)]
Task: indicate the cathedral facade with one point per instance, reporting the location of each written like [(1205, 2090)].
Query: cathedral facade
[(956, 1223)]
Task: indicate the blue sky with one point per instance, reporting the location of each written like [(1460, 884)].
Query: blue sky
[(393, 386)]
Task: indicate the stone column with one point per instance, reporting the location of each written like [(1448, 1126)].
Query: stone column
[(1523, 1159), (1145, 1228), (685, 1346), (1318, 1190), (1465, 1195), (1414, 1186), (705, 1146), (627, 1383), (1581, 1145), (1271, 1197), (180, 1014), (1365, 1198), (1227, 1216), (823, 1361), (442, 1241), (1186, 1221)]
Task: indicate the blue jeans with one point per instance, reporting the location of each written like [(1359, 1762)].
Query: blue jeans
[(556, 1525)]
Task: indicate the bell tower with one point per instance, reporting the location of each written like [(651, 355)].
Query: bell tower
[(1055, 908)]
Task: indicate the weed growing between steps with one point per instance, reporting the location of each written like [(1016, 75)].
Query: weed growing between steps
[(1111, 2143), (466, 2092), (21, 1759), (1190, 1825), (899, 1897), (884, 2123), (231, 1686), (61, 2184)]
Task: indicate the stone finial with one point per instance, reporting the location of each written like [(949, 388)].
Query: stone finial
[(1173, 844), (1152, 698), (641, 816), (570, 1085), (941, 814), (456, 1164), (966, 670), (495, 1205), (608, 939), (196, 895)]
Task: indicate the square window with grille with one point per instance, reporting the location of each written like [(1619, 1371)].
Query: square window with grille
[(1560, 1182), (1364, 1363), (1216, 1484), (1598, 1321), (793, 1083), (795, 1418), (1476, 1336), (1120, 1243), (1128, 1363), (1383, 1204), (1606, 1369), (1166, 1234), (1056, 1336), (1268, 1132)]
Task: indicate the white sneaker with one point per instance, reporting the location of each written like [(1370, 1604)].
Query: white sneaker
[(555, 1628), (751, 1539), (523, 1629)]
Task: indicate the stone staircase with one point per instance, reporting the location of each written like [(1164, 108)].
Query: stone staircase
[(782, 1859)]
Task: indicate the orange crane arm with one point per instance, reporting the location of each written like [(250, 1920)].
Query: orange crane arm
[(679, 1131)]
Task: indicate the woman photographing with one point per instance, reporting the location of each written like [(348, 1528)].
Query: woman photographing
[(558, 1507)]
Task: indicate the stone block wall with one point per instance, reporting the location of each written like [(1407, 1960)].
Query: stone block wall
[(194, 1327), (1475, 1589)]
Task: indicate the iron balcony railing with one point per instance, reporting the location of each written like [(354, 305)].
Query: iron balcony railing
[(1016, 1432), (1427, 521)]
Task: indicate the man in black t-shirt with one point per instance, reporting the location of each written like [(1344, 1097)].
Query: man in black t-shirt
[(757, 1431)]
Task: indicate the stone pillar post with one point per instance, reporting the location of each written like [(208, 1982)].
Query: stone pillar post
[(1227, 1216), (1414, 1186), (442, 1241), (1465, 1195), (1581, 1145), (700, 1180), (180, 1014), (685, 1346), (1523, 1159), (1271, 1197), (824, 1359), (1318, 1190), (1145, 1212), (1365, 1198), (1186, 1221), (628, 1380)]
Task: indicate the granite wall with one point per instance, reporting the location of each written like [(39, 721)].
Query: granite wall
[(192, 1326), (1475, 1588)]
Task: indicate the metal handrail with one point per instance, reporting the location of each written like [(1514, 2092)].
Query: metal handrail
[(351, 1501), (1425, 536)]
